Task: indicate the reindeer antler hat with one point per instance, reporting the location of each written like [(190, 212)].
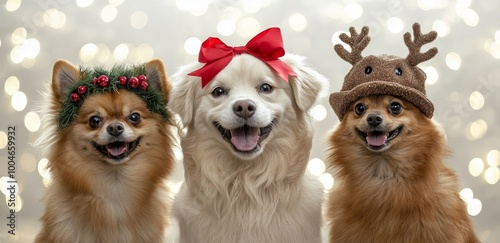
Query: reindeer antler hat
[(384, 74)]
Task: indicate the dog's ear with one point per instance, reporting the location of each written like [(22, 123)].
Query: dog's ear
[(64, 75), (308, 85), (182, 99), (157, 77)]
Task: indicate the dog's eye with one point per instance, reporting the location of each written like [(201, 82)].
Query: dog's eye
[(359, 109), (368, 70), (95, 121), (398, 71), (218, 92), (266, 88), (135, 118), (395, 108)]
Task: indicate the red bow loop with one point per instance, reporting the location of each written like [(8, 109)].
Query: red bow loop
[(213, 49), (266, 46)]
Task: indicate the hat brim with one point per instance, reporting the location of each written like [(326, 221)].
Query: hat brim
[(340, 101)]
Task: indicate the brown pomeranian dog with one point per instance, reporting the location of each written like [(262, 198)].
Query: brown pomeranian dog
[(108, 139), (393, 184), (387, 153)]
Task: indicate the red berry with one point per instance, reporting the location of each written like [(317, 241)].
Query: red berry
[(134, 82), (142, 78), (82, 89), (123, 80), (103, 80), (144, 85), (94, 81), (75, 97)]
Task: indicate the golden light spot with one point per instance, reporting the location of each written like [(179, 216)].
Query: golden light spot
[(476, 167), (316, 167), (492, 175)]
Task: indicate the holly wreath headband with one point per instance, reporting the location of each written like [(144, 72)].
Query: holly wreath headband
[(99, 81)]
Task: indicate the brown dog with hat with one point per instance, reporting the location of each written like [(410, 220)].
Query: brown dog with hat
[(388, 156)]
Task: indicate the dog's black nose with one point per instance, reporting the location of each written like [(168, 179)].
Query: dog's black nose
[(244, 108), (374, 119), (115, 129)]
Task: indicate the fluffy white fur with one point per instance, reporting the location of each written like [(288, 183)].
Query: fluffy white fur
[(265, 196)]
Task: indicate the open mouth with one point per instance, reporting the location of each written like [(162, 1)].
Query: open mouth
[(377, 140), (245, 139), (117, 150)]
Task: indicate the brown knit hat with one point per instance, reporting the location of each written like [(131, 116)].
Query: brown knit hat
[(384, 74)]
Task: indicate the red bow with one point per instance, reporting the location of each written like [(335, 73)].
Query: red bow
[(266, 46)]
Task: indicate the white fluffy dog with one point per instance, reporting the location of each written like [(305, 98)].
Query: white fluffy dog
[(246, 146)]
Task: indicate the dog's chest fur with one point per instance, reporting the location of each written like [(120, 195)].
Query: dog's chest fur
[(280, 213)]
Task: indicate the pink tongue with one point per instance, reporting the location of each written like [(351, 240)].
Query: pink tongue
[(245, 139), (376, 140), (116, 150)]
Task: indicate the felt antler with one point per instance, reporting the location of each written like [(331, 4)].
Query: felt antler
[(415, 56), (357, 42)]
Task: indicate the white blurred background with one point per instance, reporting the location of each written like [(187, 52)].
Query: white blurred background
[(463, 79)]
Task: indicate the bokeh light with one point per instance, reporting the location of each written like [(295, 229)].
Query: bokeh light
[(247, 27), (476, 100), (426, 4), (494, 49), (121, 52), (470, 17), (109, 13), (252, 6), (466, 194), (492, 174), (54, 18), (144, 53), (138, 20), (493, 158), (476, 167), (3, 139), (353, 11), (192, 45), (297, 22), (42, 168), (334, 10), (84, 3), (453, 60), (19, 36), (441, 27), (12, 5), (327, 180), (226, 27), (395, 24), (88, 52), (464, 3), (474, 207), (318, 112), (476, 129), (31, 48), (28, 162), (19, 101), (316, 167), (432, 75), (116, 3), (32, 121), (497, 36), (11, 85)]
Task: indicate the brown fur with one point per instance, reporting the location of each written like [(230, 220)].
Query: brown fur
[(91, 199), (405, 193)]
